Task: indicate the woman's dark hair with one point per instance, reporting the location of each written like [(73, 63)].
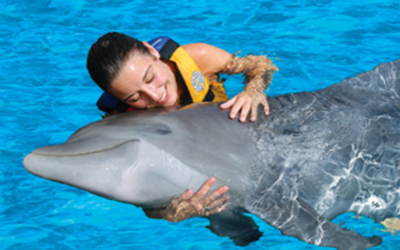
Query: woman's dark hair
[(108, 55)]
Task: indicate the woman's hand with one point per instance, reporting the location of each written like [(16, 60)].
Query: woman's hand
[(198, 204), (245, 102)]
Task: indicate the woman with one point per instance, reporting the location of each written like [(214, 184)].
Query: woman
[(141, 75)]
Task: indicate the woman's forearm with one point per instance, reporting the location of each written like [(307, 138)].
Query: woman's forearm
[(257, 70)]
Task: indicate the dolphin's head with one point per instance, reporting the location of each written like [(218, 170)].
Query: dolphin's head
[(144, 159), (124, 169)]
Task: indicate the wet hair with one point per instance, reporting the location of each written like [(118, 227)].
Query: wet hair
[(108, 54)]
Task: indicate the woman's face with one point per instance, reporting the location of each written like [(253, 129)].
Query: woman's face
[(145, 82)]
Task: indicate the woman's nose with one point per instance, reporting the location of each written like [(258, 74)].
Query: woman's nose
[(151, 91)]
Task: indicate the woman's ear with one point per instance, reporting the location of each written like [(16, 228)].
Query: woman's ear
[(152, 50)]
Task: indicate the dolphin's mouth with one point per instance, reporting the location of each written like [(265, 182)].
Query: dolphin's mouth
[(75, 149), (97, 171), (54, 164)]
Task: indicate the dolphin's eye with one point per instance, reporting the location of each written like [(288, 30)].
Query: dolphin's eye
[(163, 130)]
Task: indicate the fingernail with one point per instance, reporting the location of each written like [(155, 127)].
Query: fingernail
[(186, 195)]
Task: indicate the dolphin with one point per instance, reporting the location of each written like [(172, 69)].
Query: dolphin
[(316, 156)]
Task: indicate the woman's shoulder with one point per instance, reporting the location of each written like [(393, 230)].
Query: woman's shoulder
[(207, 57)]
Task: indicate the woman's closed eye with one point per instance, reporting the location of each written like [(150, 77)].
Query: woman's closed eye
[(150, 75), (133, 98)]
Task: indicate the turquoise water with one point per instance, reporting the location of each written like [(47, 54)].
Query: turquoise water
[(46, 95)]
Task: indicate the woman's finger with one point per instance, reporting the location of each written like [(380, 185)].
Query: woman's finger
[(236, 108), (244, 112), (217, 203), (254, 108), (229, 103), (203, 190), (264, 102), (218, 192), (215, 210), (187, 194)]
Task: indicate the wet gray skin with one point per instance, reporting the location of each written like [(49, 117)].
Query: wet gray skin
[(316, 156)]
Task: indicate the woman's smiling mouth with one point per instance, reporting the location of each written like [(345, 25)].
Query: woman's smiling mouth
[(164, 97)]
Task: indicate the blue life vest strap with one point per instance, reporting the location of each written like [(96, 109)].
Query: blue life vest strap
[(109, 103)]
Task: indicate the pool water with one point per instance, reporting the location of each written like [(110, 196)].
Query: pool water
[(46, 95)]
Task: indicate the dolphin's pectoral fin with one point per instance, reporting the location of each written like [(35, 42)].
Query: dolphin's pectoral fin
[(241, 229), (296, 218)]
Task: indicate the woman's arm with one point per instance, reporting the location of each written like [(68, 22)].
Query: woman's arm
[(189, 205), (257, 70)]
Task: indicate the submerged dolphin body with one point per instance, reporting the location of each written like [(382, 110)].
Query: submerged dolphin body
[(317, 155)]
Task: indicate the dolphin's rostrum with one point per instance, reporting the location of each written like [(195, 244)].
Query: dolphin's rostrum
[(316, 156)]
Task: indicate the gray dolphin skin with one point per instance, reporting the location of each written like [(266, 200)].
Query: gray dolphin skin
[(316, 156)]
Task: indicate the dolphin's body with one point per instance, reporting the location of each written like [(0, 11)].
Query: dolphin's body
[(317, 155)]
